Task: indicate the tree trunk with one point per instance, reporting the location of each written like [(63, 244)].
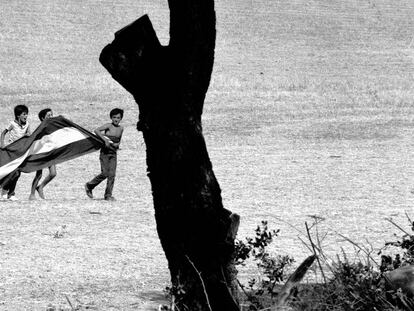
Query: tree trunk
[(169, 84)]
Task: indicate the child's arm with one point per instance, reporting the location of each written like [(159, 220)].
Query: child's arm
[(3, 134), (98, 131)]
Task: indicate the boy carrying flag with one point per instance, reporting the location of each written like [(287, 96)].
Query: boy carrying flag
[(17, 129)]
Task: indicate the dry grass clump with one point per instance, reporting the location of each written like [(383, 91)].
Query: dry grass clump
[(344, 284)]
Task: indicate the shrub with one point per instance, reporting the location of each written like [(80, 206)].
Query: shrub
[(262, 291), (359, 285), (404, 248)]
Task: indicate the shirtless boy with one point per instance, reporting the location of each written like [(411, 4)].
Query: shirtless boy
[(111, 133)]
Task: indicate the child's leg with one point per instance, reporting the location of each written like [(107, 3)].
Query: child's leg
[(103, 158), (48, 178), (35, 182), (6, 182), (111, 176), (11, 186)]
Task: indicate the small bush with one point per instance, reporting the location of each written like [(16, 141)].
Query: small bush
[(405, 248), (262, 291), (352, 285), (359, 285)]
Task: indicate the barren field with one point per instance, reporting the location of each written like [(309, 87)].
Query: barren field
[(310, 113)]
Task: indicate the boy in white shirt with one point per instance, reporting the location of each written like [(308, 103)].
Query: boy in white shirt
[(16, 129)]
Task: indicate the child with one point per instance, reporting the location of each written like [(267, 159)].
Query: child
[(17, 128), (43, 115), (111, 133)]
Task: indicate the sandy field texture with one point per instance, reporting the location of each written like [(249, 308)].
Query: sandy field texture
[(309, 113)]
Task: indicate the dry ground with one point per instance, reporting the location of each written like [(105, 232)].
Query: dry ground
[(310, 112)]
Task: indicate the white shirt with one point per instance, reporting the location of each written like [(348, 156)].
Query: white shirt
[(17, 131)]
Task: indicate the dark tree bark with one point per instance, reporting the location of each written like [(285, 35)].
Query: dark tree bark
[(169, 84)]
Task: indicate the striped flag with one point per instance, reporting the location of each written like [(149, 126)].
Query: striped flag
[(55, 140)]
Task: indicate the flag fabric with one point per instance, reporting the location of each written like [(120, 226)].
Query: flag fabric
[(54, 141)]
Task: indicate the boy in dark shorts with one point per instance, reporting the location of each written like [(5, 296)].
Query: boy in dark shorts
[(111, 133)]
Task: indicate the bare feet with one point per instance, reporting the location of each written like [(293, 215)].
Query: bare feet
[(40, 191), (32, 197)]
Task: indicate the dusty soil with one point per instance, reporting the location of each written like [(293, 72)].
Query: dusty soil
[(310, 113)]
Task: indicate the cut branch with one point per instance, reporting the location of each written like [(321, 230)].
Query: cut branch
[(293, 281)]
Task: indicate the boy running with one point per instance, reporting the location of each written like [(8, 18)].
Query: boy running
[(43, 115), (17, 128), (111, 133)]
